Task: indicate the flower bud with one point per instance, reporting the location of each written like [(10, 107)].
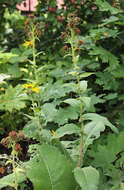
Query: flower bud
[(52, 9)]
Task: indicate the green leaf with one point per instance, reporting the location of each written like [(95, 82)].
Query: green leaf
[(86, 101), (49, 112), (117, 187), (94, 127), (96, 117), (14, 70), (74, 103), (9, 179), (87, 178), (5, 57), (13, 99), (105, 6), (106, 57), (86, 74), (57, 90), (98, 34), (50, 170), (105, 155), (64, 114), (109, 20), (83, 85), (67, 129), (111, 96)]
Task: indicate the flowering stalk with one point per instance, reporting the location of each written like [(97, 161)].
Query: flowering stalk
[(33, 29), (12, 142), (14, 153), (76, 68)]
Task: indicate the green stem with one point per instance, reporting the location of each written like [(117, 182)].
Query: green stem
[(14, 166), (34, 53), (75, 61)]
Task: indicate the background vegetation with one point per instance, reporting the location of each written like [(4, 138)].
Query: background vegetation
[(61, 84)]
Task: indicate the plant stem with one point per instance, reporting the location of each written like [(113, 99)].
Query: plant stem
[(34, 53), (14, 166), (75, 61)]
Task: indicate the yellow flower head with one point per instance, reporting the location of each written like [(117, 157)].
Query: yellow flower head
[(28, 43), (32, 88), (36, 89), (53, 132), (29, 86)]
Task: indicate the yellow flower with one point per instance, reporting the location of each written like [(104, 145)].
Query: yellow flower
[(29, 86), (53, 132), (32, 88), (28, 43), (36, 89)]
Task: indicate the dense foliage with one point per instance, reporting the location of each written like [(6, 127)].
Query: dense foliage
[(61, 96)]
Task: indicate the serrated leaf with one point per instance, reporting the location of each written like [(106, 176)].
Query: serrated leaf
[(49, 169), (93, 129), (105, 155), (87, 178), (110, 20), (49, 112), (64, 114), (67, 129), (106, 57), (111, 96), (57, 90), (105, 6), (13, 99), (104, 120)]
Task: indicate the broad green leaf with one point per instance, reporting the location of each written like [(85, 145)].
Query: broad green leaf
[(4, 57), (87, 178), (57, 90), (83, 85), (49, 112), (106, 57), (86, 74), (74, 103), (9, 179), (111, 19), (105, 6), (111, 96), (64, 114), (13, 99), (50, 170), (86, 101), (105, 155), (104, 120), (93, 129), (98, 34), (31, 129), (14, 70), (117, 187), (67, 129)]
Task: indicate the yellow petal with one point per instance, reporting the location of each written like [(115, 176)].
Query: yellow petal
[(53, 132), (37, 89)]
